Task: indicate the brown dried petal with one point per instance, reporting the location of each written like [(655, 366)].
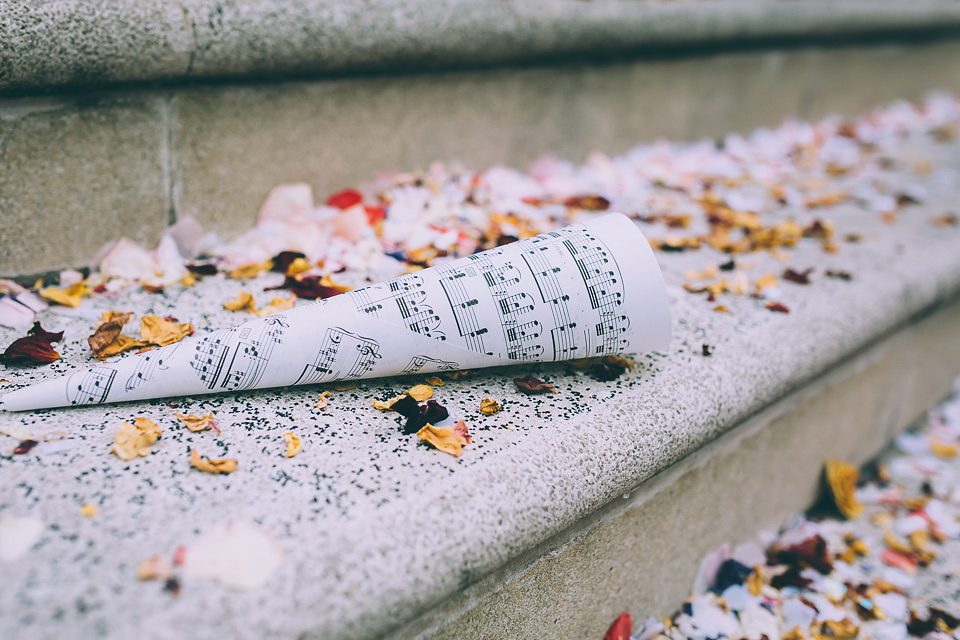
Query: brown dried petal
[(839, 275), (798, 277), (533, 386), (108, 330)]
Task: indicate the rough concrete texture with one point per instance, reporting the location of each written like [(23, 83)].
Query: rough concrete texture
[(640, 553), (78, 45), (72, 178), (379, 529), (228, 146)]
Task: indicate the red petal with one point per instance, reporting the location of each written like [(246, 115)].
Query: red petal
[(345, 199), (47, 336), (375, 214), (621, 628), (33, 349)]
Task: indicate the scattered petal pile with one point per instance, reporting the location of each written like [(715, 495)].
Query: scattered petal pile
[(859, 574)]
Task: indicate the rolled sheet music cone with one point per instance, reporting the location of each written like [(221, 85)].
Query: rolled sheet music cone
[(582, 291)]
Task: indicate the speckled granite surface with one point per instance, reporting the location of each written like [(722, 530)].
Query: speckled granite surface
[(377, 527)]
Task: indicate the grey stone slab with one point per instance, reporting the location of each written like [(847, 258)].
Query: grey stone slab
[(74, 176), (233, 144), (378, 529), (93, 43)]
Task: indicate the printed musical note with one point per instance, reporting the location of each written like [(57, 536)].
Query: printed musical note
[(250, 357), (371, 300), (417, 363), (342, 356), (210, 354), (463, 307), (148, 365), (91, 386)]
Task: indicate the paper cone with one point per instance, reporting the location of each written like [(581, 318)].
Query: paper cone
[(582, 291)]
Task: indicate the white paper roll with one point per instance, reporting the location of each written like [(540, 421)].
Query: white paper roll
[(583, 291)]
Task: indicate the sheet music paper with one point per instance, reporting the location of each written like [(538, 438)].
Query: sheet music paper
[(582, 291)]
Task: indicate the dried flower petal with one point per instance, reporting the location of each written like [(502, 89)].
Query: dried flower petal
[(345, 199), (88, 510), (387, 405), (25, 446), (198, 423), (489, 406), (34, 348), (449, 441), (133, 440), (120, 344), (765, 281), (777, 306), (209, 465), (282, 261), (842, 481), (154, 568), (161, 331), (839, 275), (946, 220), (798, 277), (204, 269), (249, 270), (72, 296), (324, 400), (276, 305), (240, 555), (243, 302), (421, 392), (111, 324), (293, 444), (533, 386), (588, 203), (621, 628), (606, 370), (311, 287), (434, 380)]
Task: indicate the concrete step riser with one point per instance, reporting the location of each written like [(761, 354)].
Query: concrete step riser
[(131, 163)]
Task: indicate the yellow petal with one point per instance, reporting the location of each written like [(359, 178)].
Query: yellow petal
[(387, 405), (120, 344), (943, 450), (434, 380), (421, 392), (69, 297), (446, 440), (88, 510), (293, 444), (489, 406), (324, 400), (766, 280), (842, 480), (198, 423), (207, 465), (188, 279), (133, 440), (299, 265), (243, 302), (276, 305), (249, 270), (157, 331)]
